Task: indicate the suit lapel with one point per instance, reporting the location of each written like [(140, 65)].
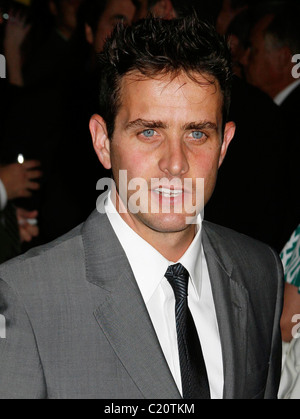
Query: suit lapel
[(122, 314), (231, 302), (125, 322)]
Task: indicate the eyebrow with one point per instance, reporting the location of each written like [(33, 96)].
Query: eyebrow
[(197, 126), (143, 123)]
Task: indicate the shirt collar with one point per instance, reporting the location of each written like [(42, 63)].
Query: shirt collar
[(280, 98), (147, 264), (192, 260)]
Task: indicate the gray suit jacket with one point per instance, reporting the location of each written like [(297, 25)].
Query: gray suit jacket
[(77, 326)]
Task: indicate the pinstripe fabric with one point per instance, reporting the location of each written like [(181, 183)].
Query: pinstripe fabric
[(192, 366)]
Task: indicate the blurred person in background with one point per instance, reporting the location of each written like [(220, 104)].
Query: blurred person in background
[(65, 14), (290, 326), (238, 36), (73, 181), (50, 58), (274, 40), (291, 262), (40, 80), (229, 10), (102, 16), (16, 180)]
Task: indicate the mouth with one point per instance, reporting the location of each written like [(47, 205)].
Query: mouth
[(168, 193)]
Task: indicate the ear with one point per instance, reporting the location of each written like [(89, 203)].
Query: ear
[(228, 136), (89, 36), (101, 141)]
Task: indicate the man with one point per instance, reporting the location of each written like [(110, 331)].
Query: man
[(102, 16), (274, 41), (65, 14), (232, 204), (92, 315)]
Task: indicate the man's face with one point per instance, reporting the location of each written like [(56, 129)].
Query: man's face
[(68, 13), (168, 131), (116, 11), (260, 65)]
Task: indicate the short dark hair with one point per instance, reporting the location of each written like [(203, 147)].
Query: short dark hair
[(155, 46)]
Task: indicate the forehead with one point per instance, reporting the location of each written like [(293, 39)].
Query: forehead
[(172, 95)]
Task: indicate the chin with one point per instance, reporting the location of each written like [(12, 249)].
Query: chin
[(168, 223)]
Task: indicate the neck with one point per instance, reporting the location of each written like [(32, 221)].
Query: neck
[(171, 245)]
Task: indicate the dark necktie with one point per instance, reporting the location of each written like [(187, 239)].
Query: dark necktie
[(192, 366)]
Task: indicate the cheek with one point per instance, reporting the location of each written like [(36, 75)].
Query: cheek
[(207, 169), (206, 164), (255, 62), (134, 163)]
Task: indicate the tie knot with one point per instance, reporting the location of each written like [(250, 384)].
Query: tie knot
[(178, 278)]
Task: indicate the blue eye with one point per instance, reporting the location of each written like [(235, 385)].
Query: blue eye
[(197, 135), (149, 133)]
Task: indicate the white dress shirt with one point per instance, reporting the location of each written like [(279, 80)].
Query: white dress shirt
[(280, 98), (149, 268)]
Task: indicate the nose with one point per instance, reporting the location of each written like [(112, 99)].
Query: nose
[(173, 161)]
